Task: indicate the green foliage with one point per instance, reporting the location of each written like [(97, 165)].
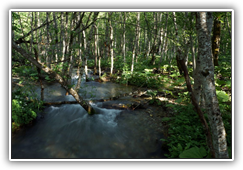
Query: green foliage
[(194, 152), (186, 137), (185, 131), (24, 109), (222, 96)]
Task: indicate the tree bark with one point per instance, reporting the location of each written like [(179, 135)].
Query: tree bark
[(154, 49), (138, 35), (124, 38), (96, 49), (204, 22), (57, 77), (111, 43), (135, 42), (56, 38), (163, 39), (199, 111), (228, 25), (48, 56), (149, 36), (39, 74), (179, 56)]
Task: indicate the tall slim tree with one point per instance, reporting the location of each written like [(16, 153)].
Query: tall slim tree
[(111, 43), (124, 38), (154, 48), (148, 34), (135, 42), (204, 23), (48, 52)]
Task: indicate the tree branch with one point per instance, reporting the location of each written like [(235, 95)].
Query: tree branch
[(21, 38)]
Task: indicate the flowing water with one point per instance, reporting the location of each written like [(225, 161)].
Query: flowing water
[(67, 131)]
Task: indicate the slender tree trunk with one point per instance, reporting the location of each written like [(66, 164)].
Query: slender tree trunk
[(64, 37), (135, 43), (57, 77), (228, 25), (138, 35), (106, 38), (96, 49), (216, 41), (154, 49), (161, 32), (100, 55), (192, 44), (88, 51), (56, 50), (149, 36), (124, 38), (111, 43), (39, 74), (163, 39), (79, 72), (48, 55), (178, 50), (85, 57), (204, 21)]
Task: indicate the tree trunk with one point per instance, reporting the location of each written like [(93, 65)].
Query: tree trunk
[(138, 35), (107, 50), (204, 22), (199, 111), (228, 25), (124, 38), (154, 49), (135, 42), (163, 39), (56, 38), (39, 74), (100, 55), (216, 41), (96, 49), (179, 56), (149, 36), (48, 55), (57, 77), (111, 43)]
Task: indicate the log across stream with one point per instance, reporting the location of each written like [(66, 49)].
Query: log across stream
[(67, 131)]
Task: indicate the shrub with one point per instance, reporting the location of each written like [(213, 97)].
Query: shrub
[(24, 109)]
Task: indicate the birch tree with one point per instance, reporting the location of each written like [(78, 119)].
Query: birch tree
[(135, 42), (111, 43), (48, 56), (163, 37), (154, 40), (204, 22), (148, 34), (124, 38)]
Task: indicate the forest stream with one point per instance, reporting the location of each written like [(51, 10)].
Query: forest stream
[(67, 131)]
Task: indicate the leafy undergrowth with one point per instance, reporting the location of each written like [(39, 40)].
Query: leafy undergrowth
[(25, 104), (186, 137)]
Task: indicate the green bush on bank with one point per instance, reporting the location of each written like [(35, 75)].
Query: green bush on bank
[(24, 109)]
